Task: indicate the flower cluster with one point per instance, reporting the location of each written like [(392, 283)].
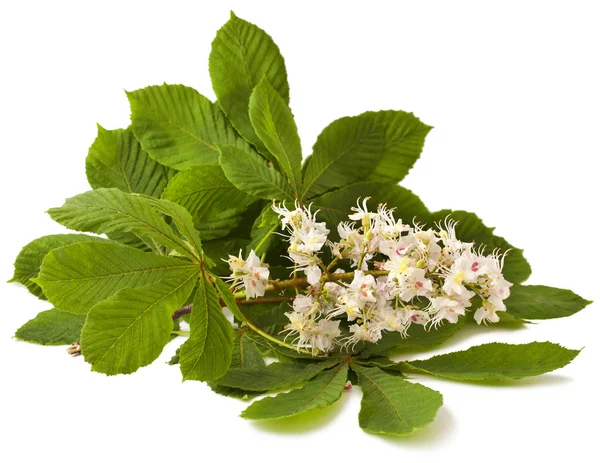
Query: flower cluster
[(397, 274), (250, 274)]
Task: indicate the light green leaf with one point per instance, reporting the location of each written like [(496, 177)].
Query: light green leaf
[(28, 262), (471, 228), (77, 277), (276, 376), (323, 390), (214, 203), (110, 210), (206, 355), (52, 328), (263, 236), (250, 173), (274, 124), (117, 160), (178, 127), (392, 405), (335, 205), (130, 330), (373, 146), (543, 302), (497, 361), (241, 55)]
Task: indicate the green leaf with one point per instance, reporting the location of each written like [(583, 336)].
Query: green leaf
[(179, 127), (276, 376), (374, 146), (323, 390), (241, 55), (497, 361), (214, 203), (250, 173), (263, 236), (543, 302), (206, 355), (109, 210), (130, 330), (418, 337), (52, 328), (245, 355), (471, 228), (228, 299), (28, 262), (116, 160), (335, 205), (392, 405), (274, 124), (77, 277)]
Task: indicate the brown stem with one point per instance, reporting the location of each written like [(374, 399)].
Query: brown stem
[(183, 311)]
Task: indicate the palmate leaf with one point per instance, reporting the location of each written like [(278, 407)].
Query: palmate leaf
[(537, 302), (374, 146), (110, 210), (117, 160), (28, 262), (77, 277), (392, 405), (335, 205), (274, 124), (241, 55), (179, 127), (497, 361), (215, 204), (130, 330), (52, 328), (275, 377), (206, 355), (325, 389), (471, 228), (251, 173)]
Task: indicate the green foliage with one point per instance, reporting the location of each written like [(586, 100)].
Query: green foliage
[(116, 160), (28, 262), (130, 330), (241, 56), (191, 182), (392, 405), (178, 127), (543, 302), (497, 361), (52, 328), (325, 389), (206, 355), (215, 204), (77, 277)]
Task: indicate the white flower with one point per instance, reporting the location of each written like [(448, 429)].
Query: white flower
[(362, 288), (251, 273), (487, 313), (361, 213), (415, 284), (444, 308)]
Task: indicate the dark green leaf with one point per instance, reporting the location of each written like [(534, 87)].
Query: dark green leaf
[(497, 361), (325, 389), (543, 302), (392, 405)]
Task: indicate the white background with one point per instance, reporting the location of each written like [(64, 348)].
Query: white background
[(512, 90)]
